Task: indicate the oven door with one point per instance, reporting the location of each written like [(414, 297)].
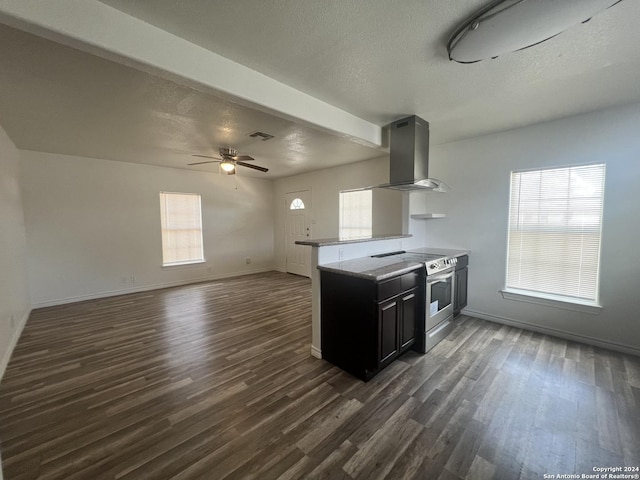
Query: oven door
[(439, 297)]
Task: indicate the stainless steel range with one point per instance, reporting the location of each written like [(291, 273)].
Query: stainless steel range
[(439, 284), (439, 295)]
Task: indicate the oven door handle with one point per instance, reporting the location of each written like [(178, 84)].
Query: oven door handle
[(440, 277)]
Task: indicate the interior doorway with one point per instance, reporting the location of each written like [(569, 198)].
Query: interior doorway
[(298, 227)]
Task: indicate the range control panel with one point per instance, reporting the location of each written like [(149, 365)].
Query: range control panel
[(440, 264)]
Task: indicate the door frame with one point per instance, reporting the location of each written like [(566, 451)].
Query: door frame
[(308, 213)]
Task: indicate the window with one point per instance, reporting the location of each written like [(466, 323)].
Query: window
[(355, 214), (181, 221), (555, 222), (296, 204)]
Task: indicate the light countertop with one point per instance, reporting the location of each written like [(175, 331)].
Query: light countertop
[(440, 251), (325, 242), (377, 269), (374, 269)]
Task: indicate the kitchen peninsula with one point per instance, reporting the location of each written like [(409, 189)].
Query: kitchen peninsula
[(330, 250), (392, 274)]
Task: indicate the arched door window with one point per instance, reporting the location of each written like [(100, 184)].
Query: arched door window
[(296, 204)]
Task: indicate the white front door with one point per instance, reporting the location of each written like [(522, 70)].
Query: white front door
[(298, 227)]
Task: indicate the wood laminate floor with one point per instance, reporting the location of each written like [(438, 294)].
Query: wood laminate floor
[(215, 381)]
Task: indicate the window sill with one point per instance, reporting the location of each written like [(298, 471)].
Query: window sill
[(184, 264), (556, 301)]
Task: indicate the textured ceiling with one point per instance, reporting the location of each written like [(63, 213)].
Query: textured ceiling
[(378, 60), (61, 100), (382, 59)]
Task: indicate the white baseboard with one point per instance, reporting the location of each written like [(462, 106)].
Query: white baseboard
[(12, 344), (553, 332), (316, 352), (146, 288)]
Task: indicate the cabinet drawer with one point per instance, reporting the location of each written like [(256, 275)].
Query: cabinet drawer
[(409, 280), (397, 285)]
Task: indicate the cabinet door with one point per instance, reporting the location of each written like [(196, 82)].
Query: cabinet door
[(408, 319), (388, 334), (461, 290)]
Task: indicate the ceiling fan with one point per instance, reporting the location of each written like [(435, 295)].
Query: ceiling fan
[(228, 160)]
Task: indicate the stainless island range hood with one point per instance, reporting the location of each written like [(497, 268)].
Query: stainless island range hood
[(409, 157)]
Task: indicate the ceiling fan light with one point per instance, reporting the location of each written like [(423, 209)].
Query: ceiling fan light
[(227, 166)]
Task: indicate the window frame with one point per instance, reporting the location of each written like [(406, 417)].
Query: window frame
[(567, 302), (181, 263), (341, 235)]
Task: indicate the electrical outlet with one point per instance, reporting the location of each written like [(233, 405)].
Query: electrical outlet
[(133, 279), (247, 260)]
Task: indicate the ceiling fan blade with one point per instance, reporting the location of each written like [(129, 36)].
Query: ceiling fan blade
[(215, 159), (200, 163), (205, 156), (242, 158), (255, 167)]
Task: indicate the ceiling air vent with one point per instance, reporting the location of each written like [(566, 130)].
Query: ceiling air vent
[(261, 135)]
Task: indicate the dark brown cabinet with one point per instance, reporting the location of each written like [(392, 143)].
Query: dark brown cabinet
[(365, 325), (460, 292), (397, 325), (388, 334), (408, 321)]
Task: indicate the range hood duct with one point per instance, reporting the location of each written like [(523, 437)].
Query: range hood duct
[(409, 157)]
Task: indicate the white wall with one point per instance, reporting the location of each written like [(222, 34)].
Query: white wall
[(325, 186), (14, 288), (94, 224), (478, 171)]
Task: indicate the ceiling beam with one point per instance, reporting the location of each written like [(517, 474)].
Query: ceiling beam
[(101, 30)]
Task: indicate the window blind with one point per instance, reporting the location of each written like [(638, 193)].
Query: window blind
[(181, 221), (355, 214), (555, 225)]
